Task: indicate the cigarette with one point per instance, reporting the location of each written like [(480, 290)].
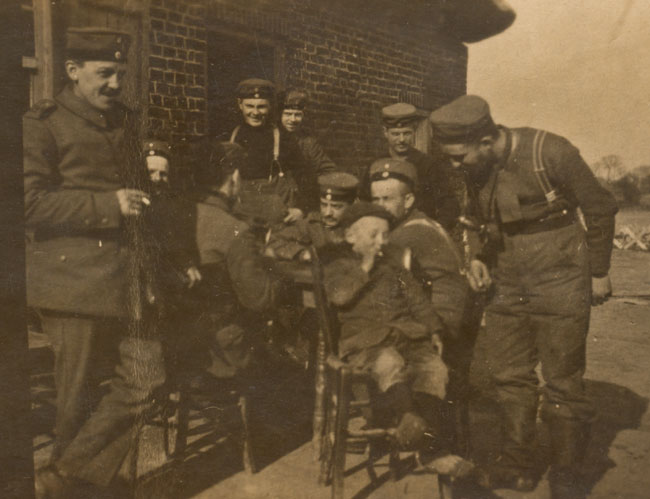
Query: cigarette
[(146, 201)]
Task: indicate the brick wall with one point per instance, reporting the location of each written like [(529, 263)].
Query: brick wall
[(177, 59), (353, 59)]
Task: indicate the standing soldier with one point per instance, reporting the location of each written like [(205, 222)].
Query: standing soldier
[(434, 196), (76, 210), (275, 183), (525, 186)]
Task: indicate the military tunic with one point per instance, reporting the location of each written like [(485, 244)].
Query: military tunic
[(438, 263), (72, 158)]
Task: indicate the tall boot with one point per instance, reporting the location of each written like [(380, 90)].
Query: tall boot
[(439, 433), (569, 440), (411, 426), (514, 468)]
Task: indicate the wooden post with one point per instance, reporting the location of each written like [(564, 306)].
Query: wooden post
[(44, 50)]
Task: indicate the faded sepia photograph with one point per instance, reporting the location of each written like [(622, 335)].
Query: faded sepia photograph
[(323, 248)]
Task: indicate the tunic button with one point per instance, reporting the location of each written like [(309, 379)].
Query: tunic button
[(87, 221), (63, 258), (104, 220)]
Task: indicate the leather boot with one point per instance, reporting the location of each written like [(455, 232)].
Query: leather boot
[(569, 440), (439, 432)]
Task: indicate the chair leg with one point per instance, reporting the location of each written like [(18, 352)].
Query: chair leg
[(329, 420), (445, 490), (249, 462), (340, 435), (394, 462), (182, 424), (319, 434)]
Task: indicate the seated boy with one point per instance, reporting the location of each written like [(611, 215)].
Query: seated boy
[(389, 329)]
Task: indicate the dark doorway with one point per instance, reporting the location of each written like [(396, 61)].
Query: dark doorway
[(230, 60)]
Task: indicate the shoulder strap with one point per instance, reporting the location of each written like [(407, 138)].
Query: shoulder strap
[(276, 143), (233, 136), (540, 169)]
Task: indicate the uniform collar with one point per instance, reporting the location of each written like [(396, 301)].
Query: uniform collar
[(219, 200), (80, 107), (413, 215)]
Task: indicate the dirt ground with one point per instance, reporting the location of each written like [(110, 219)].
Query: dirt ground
[(618, 461)]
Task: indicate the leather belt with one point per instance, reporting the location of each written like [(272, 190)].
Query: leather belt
[(553, 221)]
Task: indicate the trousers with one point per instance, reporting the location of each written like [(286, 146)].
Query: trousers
[(96, 431), (539, 314)]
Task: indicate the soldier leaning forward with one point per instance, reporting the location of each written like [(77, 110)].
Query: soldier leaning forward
[(527, 184), (236, 279)]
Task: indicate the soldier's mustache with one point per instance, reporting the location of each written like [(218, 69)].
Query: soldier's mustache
[(110, 93)]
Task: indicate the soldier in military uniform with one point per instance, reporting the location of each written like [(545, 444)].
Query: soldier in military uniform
[(236, 279), (544, 271), (275, 182), (76, 167), (393, 185), (435, 196), (337, 191), (291, 116)]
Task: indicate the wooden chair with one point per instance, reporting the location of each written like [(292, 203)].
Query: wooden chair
[(334, 404), (186, 428)]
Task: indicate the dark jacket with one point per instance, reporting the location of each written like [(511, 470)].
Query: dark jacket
[(258, 142), (74, 162), (439, 265), (372, 305), (513, 197), (234, 272), (435, 195), (288, 241)]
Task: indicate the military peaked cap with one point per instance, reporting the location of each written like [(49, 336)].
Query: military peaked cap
[(255, 88), (400, 169), (362, 209), (156, 148), (462, 120), (97, 44), (399, 115), (338, 186)]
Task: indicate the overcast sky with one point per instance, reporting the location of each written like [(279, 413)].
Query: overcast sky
[(579, 68)]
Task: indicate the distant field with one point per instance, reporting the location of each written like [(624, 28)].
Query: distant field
[(633, 216)]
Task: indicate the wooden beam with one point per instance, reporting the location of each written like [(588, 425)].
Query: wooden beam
[(43, 48)]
